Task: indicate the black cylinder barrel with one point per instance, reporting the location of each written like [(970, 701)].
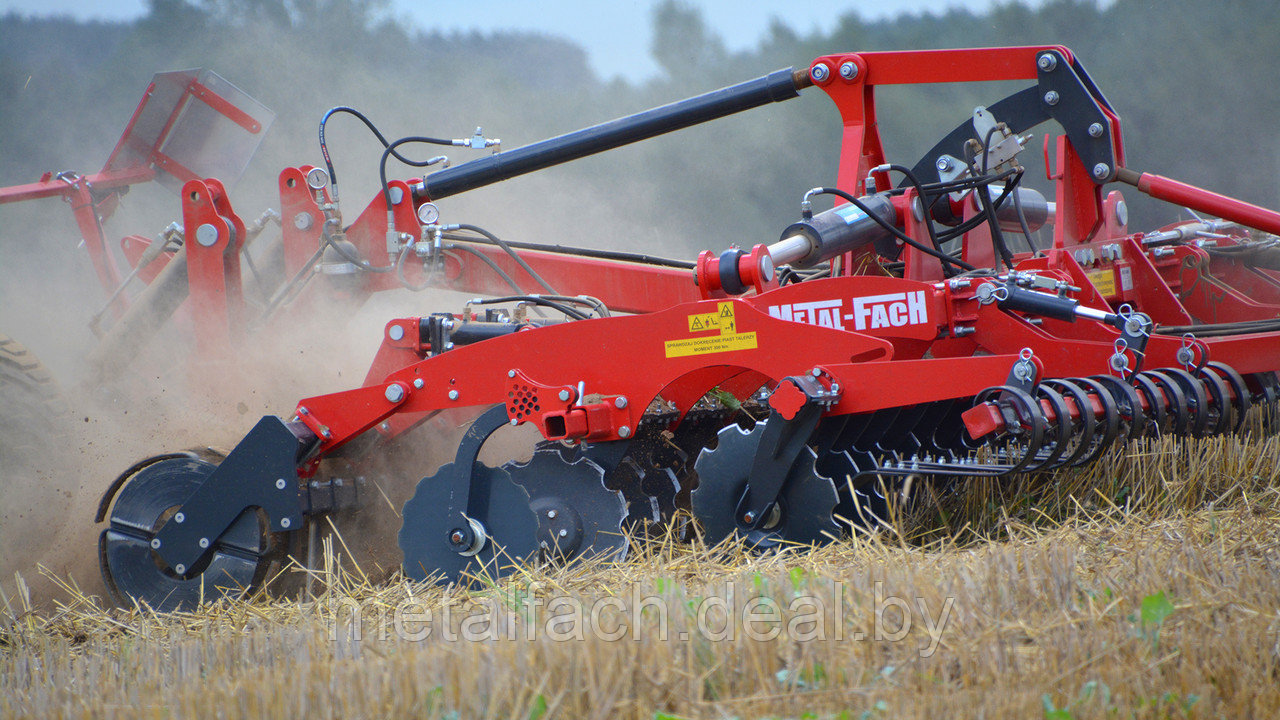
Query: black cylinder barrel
[(775, 87)]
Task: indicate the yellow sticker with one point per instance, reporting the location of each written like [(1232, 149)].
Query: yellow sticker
[(712, 344), (728, 340), (722, 319), (1103, 280)]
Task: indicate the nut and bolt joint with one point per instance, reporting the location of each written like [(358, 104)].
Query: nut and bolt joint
[(1051, 97), (944, 164), (620, 402), (1101, 170), (819, 73), (179, 518), (453, 394), (849, 70), (624, 432), (564, 396), (281, 484), (394, 393), (1047, 62), (1095, 130)]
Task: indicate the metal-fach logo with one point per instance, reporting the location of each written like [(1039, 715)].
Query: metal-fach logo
[(872, 312)]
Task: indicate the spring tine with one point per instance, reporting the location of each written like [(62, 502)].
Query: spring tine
[(1175, 401), (1032, 422), (1160, 419), (1221, 411), (1196, 397), (1085, 427), (1242, 398), (1058, 431), (1110, 424), (1128, 403)]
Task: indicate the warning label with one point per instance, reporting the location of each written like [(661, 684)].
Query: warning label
[(1104, 281), (713, 344), (728, 340)]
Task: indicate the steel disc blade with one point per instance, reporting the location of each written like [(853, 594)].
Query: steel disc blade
[(862, 506), (578, 517), (133, 571), (432, 513), (805, 502)]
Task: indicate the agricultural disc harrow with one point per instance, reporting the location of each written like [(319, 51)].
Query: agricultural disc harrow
[(913, 333)]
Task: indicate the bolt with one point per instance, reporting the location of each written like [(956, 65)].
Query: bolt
[(303, 221), (448, 346), (204, 542), (281, 484), (155, 543), (816, 372), (564, 533), (396, 195), (1047, 62), (180, 569), (749, 518), (1122, 213), (1095, 130), (325, 432), (1051, 97), (179, 518), (624, 432), (944, 164), (303, 411), (819, 73), (453, 394), (207, 235), (511, 373), (394, 393), (848, 70), (285, 523), (551, 514), (1101, 170), (620, 402), (385, 427), (515, 421), (395, 332), (564, 395), (456, 537), (418, 383)]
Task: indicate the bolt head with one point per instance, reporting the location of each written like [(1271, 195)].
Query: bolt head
[(551, 514), (396, 332), (1101, 170), (155, 543), (511, 373), (457, 537), (180, 569), (1095, 130), (303, 221), (207, 235), (1047, 62), (204, 542), (943, 164), (285, 522), (418, 384), (393, 393), (179, 518), (848, 70), (564, 396), (819, 73), (453, 394), (1051, 97), (620, 402), (749, 518), (624, 432), (280, 484)]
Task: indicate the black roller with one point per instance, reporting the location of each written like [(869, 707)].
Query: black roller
[(133, 570)]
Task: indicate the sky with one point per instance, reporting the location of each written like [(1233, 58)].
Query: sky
[(614, 33)]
